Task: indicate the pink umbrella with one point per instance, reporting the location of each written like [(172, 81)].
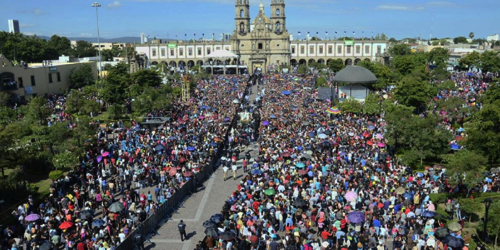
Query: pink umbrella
[(202, 117), (105, 154), (379, 136), (380, 144), (99, 158), (351, 196)]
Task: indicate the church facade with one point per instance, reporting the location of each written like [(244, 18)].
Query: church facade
[(262, 43)]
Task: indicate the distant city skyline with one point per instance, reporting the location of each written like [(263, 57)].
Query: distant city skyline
[(171, 18)]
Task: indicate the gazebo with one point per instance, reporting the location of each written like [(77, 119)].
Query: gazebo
[(223, 55), (354, 76)]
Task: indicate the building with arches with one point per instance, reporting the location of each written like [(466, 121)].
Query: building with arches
[(263, 43)]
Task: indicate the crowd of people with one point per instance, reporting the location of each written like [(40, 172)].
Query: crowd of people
[(324, 180), (127, 174)]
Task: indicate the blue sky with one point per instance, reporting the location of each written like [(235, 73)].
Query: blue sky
[(118, 18)]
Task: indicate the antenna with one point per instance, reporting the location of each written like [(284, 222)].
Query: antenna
[(432, 27)]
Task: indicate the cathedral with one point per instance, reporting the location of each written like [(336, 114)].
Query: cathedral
[(259, 44)]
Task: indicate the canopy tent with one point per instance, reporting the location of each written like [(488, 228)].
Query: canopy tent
[(355, 76), (222, 54)]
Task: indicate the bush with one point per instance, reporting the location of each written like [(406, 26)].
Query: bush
[(56, 174), (438, 198)]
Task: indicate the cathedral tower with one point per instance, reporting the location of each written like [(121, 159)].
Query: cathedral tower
[(278, 16), (242, 19)]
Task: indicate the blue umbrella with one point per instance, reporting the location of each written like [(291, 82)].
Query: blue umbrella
[(98, 223), (470, 74), (217, 218), (257, 172), (339, 234), (205, 107), (371, 127), (312, 134), (356, 217), (428, 214), (227, 119), (454, 146), (286, 92), (159, 147), (408, 196), (272, 116), (300, 165), (191, 148)]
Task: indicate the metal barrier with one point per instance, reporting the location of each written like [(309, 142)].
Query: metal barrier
[(167, 208)]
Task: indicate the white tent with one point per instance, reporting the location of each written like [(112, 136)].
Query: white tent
[(356, 91), (222, 54)]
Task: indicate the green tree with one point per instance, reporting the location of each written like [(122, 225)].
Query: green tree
[(65, 160), (75, 102), (38, 111), (465, 167), (400, 50), (393, 40), (321, 82), (58, 46), (439, 55), (404, 64), (490, 61), (82, 76), (373, 104), (351, 105), (472, 59), (303, 69), (493, 226), (147, 78), (447, 85), (471, 35), (411, 92), (83, 49), (116, 83), (108, 54), (115, 112), (460, 39), (336, 65)]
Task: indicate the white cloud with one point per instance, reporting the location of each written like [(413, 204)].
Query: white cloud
[(115, 5), (38, 12), (399, 8), (27, 25), (85, 35)]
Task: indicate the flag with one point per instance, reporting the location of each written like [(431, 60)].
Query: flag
[(298, 32), (345, 32), (194, 34), (202, 34), (316, 33), (308, 33), (335, 33), (353, 33), (326, 33)]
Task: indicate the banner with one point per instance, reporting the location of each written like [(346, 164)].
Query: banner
[(172, 45), (349, 42)]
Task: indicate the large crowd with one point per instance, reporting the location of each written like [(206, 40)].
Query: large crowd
[(127, 174), (324, 180)]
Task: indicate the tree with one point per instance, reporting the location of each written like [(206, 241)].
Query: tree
[(447, 85), (460, 39), (321, 82), (84, 49), (393, 40), (372, 104), (493, 227), (400, 50), (352, 106), (490, 61), (75, 102), (404, 64), (303, 69), (82, 76), (116, 83), (115, 112), (439, 55), (471, 35), (65, 160), (411, 92), (472, 59), (465, 167), (108, 54), (58, 46), (336, 65), (37, 110), (147, 77)]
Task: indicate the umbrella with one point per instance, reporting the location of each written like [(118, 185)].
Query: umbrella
[(236, 101), (46, 246), (470, 74), (300, 165), (191, 148), (172, 171), (99, 158), (65, 225), (302, 172), (188, 174), (400, 190), (379, 136), (105, 154), (371, 127), (270, 191), (209, 224), (86, 214), (217, 139), (306, 123), (454, 226), (257, 172), (351, 196), (323, 136), (453, 241), (98, 223), (212, 232), (333, 110), (286, 92), (339, 234), (228, 235), (380, 144), (356, 217), (205, 107), (32, 217), (441, 232), (272, 116), (265, 123), (227, 119), (407, 195), (299, 203), (217, 218), (159, 147), (116, 207), (428, 214)]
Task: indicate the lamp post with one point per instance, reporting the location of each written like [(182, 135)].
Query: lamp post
[(96, 5), (487, 204)]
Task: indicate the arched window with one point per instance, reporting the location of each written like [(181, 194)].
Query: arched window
[(277, 27), (242, 13), (242, 27), (277, 12)]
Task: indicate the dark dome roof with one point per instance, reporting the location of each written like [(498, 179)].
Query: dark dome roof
[(355, 74)]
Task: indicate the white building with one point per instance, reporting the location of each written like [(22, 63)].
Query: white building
[(14, 26), (493, 38)]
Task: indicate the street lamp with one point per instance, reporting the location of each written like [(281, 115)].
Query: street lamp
[(97, 5), (487, 204)]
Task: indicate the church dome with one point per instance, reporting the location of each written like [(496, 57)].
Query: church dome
[(261, 17)]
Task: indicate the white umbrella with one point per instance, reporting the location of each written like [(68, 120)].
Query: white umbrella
[(236, 101)]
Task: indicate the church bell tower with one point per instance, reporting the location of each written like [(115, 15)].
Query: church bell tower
[(278, 16), (242, 19)]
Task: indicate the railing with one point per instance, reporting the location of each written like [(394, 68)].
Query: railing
[(167, 208)]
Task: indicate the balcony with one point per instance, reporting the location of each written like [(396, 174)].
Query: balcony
[(8, 86)]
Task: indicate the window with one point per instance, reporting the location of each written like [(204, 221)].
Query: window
[(278, 12), (367, 49), (242, 13), (199, 51), (190, 51), (181, 51), (339, 49), (208, 51), (277, 45), (260, 45), (153, 52), (348, 50), (58, 77), (302, 49), (293, 50), (358, 49), (33, 81), (277, 62), (163, 52), (320, 49), (50, 77), (20, 81), (379, 49), (171, 52), (227, 48), (217, 48), (330, 49)]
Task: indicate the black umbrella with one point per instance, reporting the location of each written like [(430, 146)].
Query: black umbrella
[(209, 224), (453, 241), (46, 246), (299, 203), (212, 232), (86, 214), (116, 207), (441, 232), (217, 218), (228, 235)]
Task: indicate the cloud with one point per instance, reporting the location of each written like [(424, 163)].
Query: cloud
[(399, 8), (27, 25), (38, 12), (85, 35), (114, 5)]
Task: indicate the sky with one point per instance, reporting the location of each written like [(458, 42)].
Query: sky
[(171, 18)]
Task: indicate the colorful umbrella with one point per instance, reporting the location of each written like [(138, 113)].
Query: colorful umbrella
[(333, 110), (356, 217), (454, 226), (32, 217), (217, 139), (105, 154), (65, 225), (270, 191), (322, 136), (172, 171), (188, 174), (98, 223), (300, 165), (286, 92), (380, 144), (351, 196), (265, 123)]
